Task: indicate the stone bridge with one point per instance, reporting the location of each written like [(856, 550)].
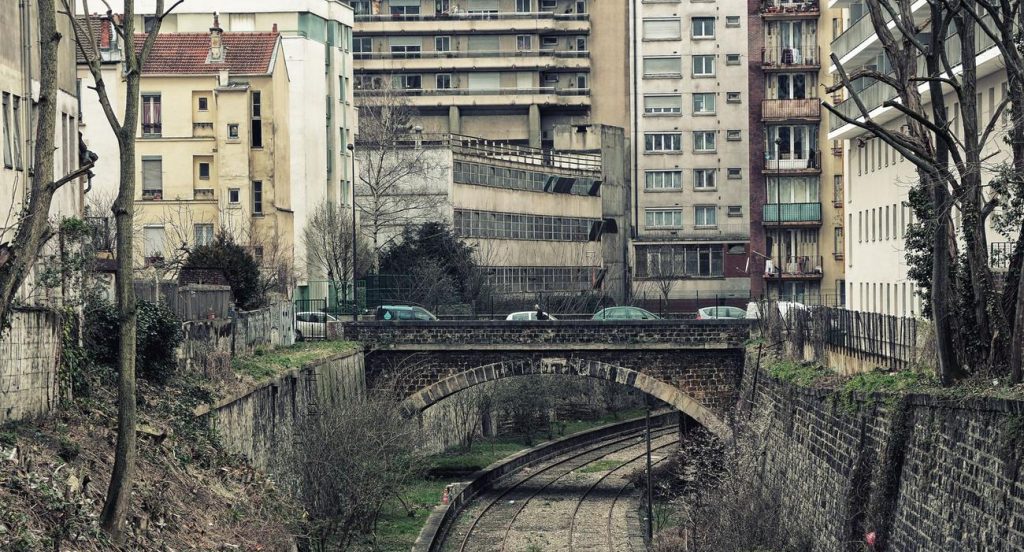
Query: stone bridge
[(694, 365)]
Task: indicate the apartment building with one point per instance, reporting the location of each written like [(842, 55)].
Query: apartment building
[(315, 38), (508, 70), (879, 178), (19, 88), (692, 178), (542, 221), (796, 203)]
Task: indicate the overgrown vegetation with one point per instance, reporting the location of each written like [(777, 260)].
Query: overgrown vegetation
[(269, 363), (158, 334), (238, 266)]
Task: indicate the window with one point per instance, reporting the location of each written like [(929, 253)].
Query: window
[(581, 81), (204, 234), (704, 103), (548, 42), (581, 44), (153, 241), (732, 97), (795, 189), (581, 6), (148, 22), (8, 157), (204, 171), (704, 141), (668, 141), (662, 29), (663, 104), (204, 103), (732, 59), (233, 131), (733, 135), (514, 226), (256, 138), (732, 21), (361, 7), (405, 47), (443, 43), (663, 66), (663, 218), (735, 173), (704, 179), (703, 27), (405, 7), (362, 45), (705, 215), (524, 6), (703, 66), (443, 81), (257, 197), (407, 82), (524, 43), (152, 178), (837, 244), (679, 260), (790, 86), (440, 6), (547, 5), (233, 195), (151, 115), (735, 211), (16, 114), (663, 180)]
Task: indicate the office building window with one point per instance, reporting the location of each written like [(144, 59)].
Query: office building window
[(663, 104), (663, 218), (151, 117), (705, 215), (256, 138), (703, 27), (660, 142), (704, 179), (703, 66), (704, 141), (704, 103), (515, 226), (257, 197), (663, 180), (684, 261)]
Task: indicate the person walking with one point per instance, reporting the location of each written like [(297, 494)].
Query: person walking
[(541, 315)]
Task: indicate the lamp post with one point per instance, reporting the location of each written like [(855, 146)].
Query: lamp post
[(352, 185)]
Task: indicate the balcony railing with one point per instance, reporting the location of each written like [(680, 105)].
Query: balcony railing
[(203, 193), (770, 8), (791, 213), (152, 195), (808, 108), (101, 233), (480, 16), (1000, 254), (799, 266), (805, 53), (151, 129), (479, 91), (719, 232), (811, 163), (473, 54)]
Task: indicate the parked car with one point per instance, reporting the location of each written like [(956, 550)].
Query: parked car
[(527, 315), (713, 313), (625, 313), (403, 312), (754, 310), (312, 325)]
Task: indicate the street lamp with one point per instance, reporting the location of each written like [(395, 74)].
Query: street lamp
[(352, 185)]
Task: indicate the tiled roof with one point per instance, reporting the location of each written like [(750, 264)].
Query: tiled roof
[(98, 23), (186, 53)]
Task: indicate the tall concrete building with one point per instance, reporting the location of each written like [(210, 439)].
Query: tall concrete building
[(19, 87), (507, 70), (796, 201), (879, 178), (315, 38), (692, 176)]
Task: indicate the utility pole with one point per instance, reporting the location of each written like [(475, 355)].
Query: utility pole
[(650, 494), (352, 184)]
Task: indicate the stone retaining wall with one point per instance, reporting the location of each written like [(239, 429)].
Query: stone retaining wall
[(923, 473), (29, 358)]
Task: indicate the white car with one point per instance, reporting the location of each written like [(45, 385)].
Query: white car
[(312, 325), (754, 312), (527, 315)]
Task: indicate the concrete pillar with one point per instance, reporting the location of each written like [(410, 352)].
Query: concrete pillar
[(454, 120), (534, 126)]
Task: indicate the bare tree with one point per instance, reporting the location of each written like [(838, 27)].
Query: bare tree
[(328, 240), (399, 182), (115, 508), (33, 223)]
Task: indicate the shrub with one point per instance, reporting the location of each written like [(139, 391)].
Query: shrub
[(158, 334), (238, 266)]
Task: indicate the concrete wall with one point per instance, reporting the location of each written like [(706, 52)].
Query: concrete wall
[(256, 422), (29, 356), (924, 473), (208, 345)]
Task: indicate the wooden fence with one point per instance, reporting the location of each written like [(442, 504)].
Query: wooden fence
[(189, 302)]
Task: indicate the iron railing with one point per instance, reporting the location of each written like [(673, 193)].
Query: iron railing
[(101, 235), (888, 340), (472, 54), (509, 91), (791, 212), (714, 232), (781, 7), (806, 108), (1000, 254), (796, 265), (804, 54), (811, 163), (470, 16)]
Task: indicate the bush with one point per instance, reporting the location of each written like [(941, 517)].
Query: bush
[(238, 266), (158, 334)]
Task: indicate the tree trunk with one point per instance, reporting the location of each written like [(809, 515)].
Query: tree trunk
[(34, 223), (1018, 331)]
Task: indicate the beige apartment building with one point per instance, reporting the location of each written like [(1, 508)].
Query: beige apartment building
[(508, 70), (19, 88), (796, 199), (879, 178), (692, 180)]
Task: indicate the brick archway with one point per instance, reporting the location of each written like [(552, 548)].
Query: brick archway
[(668, 393)]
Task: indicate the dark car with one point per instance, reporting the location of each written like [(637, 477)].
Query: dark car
[(403, 312)]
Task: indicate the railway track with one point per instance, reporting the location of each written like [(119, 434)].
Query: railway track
[(531, 504)]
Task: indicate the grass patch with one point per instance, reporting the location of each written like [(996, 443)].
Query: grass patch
[(600, 466), (804, 375), (266, 364), (889, 382)]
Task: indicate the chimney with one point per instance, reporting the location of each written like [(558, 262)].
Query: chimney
[(216, 46), (274, 30), (105, 34)]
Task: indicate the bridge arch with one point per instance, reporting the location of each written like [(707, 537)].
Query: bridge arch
[(666, 392)]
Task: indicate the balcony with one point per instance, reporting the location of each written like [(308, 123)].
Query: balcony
[(491, 97), (804, 55), (807, 109), (465, 23), (778, 9), (811, 164), (576, 60), (791, 214), (201, 194), (799, 267), (102, 233), (471, 16), (202, 130), (720, 232)]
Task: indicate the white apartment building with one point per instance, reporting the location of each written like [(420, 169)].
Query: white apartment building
[(878, 179), (690, 113)]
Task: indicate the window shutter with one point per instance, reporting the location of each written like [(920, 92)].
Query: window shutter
[(483, 43), (661, 29), (662, 65), (152, 174), (663, 102)]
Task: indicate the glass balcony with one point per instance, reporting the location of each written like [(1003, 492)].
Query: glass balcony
[(791, 213)]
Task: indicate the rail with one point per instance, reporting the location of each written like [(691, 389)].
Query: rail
[(714, 232), (472, 16), (805, 108), (504, 91), (791, 212), (472, 54), (794, 265)]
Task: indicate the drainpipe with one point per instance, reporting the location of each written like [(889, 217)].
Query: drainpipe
[(26, 95)]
